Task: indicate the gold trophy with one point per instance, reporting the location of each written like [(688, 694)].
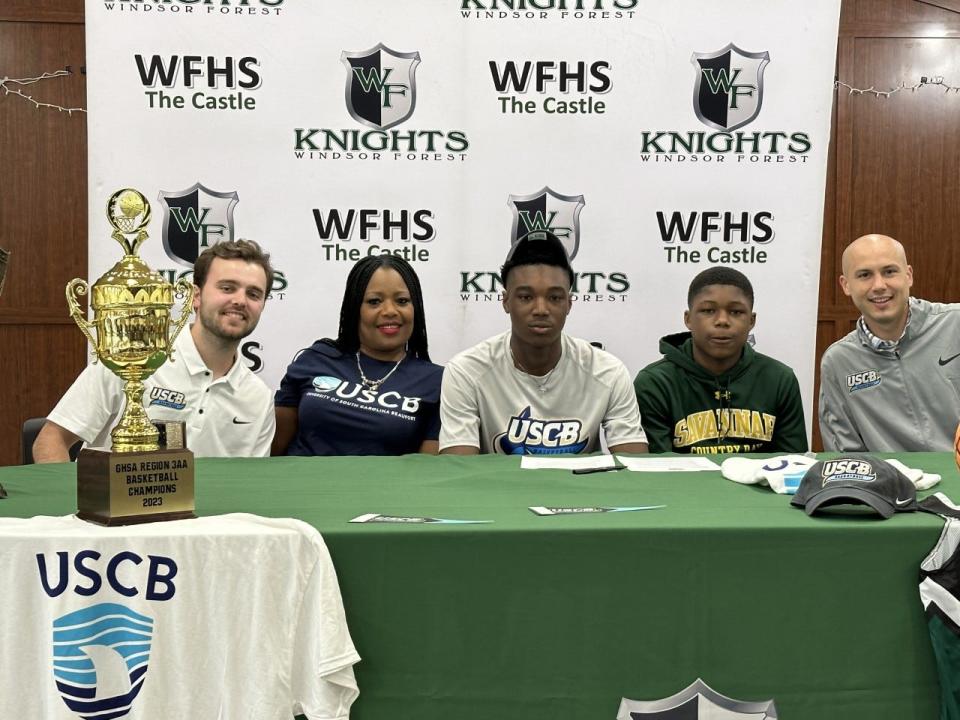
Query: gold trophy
[(136, 480)]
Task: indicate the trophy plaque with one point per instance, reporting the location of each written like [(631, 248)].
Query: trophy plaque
[(173, 434), (135, 480)]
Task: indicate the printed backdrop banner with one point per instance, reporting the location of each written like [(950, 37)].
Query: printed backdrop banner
[(656, 139)]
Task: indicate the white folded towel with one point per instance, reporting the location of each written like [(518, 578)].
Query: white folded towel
[(783, 473)]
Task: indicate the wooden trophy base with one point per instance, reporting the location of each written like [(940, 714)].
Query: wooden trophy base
[(137, 487)]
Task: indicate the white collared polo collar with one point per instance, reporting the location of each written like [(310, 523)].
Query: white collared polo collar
[(186, 352)]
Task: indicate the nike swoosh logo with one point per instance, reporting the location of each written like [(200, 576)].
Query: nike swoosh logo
[(237, 421), (901, 503), (949, 359)]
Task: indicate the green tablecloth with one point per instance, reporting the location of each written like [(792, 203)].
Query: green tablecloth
[(560, 617)]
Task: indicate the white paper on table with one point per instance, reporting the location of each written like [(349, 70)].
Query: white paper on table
[(668, 464), (588, 462)]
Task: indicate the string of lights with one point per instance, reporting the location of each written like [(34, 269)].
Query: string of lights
[(934, 81), (6, 82)]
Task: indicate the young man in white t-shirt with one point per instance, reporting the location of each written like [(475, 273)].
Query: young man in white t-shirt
[(227, 409), (534, 390)]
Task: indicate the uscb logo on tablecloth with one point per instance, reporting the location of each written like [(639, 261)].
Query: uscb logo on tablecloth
[(101, 655), (381, 93), (100, 652)]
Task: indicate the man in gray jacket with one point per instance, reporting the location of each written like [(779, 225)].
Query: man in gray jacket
[(893, 383)]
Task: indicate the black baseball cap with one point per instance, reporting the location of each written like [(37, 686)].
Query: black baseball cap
[(537, 247), (856, 480), (538, 242)]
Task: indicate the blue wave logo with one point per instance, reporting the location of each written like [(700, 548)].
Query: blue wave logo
[(100, 659), (326, 383), (529, 436)]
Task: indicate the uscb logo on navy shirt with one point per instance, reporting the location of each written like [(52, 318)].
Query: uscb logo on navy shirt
[(340, 390), (529, 436)]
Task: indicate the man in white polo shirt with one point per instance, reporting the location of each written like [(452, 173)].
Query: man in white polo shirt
[(228, 411)]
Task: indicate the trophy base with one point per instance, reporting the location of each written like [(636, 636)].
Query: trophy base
[(128, 488)]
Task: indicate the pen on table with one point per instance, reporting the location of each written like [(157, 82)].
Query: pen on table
[(587, 471)]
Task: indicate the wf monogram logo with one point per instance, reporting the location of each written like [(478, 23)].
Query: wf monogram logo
[(722, 81), (728, 91), (373, 80), (547, 210), (194, 219), (372, 99)]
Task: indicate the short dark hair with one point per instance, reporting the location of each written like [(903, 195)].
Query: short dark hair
[(348, 337), (720, 275), (246, 250), (539, 247)]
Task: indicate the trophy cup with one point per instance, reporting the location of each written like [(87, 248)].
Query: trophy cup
[(135, 480)]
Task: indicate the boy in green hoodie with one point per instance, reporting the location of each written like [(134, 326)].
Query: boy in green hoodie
[(713, 393)]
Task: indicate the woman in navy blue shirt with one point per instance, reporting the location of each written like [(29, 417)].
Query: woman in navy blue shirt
[(373, 390)]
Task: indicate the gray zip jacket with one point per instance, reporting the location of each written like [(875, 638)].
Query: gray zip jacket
[(903, 400)]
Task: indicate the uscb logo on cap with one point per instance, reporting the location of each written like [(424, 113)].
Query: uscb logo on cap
[(863, 380), (855, 470)]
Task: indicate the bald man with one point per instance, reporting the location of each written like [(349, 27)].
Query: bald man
[(893, 383)]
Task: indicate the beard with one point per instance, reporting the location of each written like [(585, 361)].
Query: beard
[(210, 322)]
